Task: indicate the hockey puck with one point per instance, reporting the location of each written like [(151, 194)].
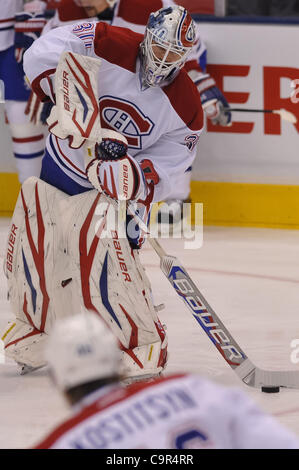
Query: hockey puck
[(270, 389)]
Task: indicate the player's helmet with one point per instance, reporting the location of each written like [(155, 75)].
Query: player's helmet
[(168, 40), (82, 349)]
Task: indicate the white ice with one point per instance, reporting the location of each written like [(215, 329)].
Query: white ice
[(251, 279)]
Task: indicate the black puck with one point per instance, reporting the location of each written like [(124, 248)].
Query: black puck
[(270, 389)]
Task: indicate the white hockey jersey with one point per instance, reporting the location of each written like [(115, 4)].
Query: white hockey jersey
[(161, 124), (176, 412), (8, 9)]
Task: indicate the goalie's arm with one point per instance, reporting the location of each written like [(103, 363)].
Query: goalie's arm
[(171, 156), (41, 59)]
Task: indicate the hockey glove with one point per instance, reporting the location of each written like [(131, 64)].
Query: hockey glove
[(212, 100), (28, 27), (115, 173)]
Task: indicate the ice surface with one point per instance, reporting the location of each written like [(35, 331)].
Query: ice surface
[(251, 279)]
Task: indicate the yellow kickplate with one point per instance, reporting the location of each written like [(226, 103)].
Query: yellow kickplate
[(150, 353), (8, 331)]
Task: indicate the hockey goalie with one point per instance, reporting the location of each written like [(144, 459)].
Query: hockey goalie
[(124, 126)]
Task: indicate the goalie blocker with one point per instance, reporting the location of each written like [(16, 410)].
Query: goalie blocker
[(61, 255)]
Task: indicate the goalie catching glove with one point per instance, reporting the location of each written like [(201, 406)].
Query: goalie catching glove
[(115, 173)]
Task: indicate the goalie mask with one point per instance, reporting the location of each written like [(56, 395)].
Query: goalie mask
[(168, 41)]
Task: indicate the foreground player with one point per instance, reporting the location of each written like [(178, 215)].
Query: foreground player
[(57, 256), (134, 14), (18, 29), (176, 412)]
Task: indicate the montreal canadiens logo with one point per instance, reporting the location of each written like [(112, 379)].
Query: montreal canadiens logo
[(125, 117), (186, 30), (190, 35)]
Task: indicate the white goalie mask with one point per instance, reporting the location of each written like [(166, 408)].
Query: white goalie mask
[(168, 40)]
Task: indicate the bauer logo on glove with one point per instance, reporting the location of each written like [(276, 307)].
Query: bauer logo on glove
[(120, 179)]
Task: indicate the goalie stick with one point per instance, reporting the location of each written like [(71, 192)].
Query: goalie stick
[(283, 113), (209, 321)]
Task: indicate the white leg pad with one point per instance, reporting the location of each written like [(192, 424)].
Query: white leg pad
[(24, 343), (59, 262), (31, 254), (111, 281)]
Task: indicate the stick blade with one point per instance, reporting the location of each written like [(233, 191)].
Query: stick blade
[(286, 115), (258, 378)]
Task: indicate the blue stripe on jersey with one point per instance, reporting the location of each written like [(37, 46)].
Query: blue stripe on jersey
[(52, 174), (26, 156), (65, 165)]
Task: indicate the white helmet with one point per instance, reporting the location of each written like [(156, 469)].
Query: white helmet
[(168, 40), (82, 349)]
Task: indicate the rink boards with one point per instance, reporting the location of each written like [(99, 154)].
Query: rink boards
[(246, 174)]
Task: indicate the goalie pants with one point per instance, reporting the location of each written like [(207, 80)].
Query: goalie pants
[(52, 174)]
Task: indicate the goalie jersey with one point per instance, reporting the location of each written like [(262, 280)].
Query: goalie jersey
[(162, 125), (177, 412)]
